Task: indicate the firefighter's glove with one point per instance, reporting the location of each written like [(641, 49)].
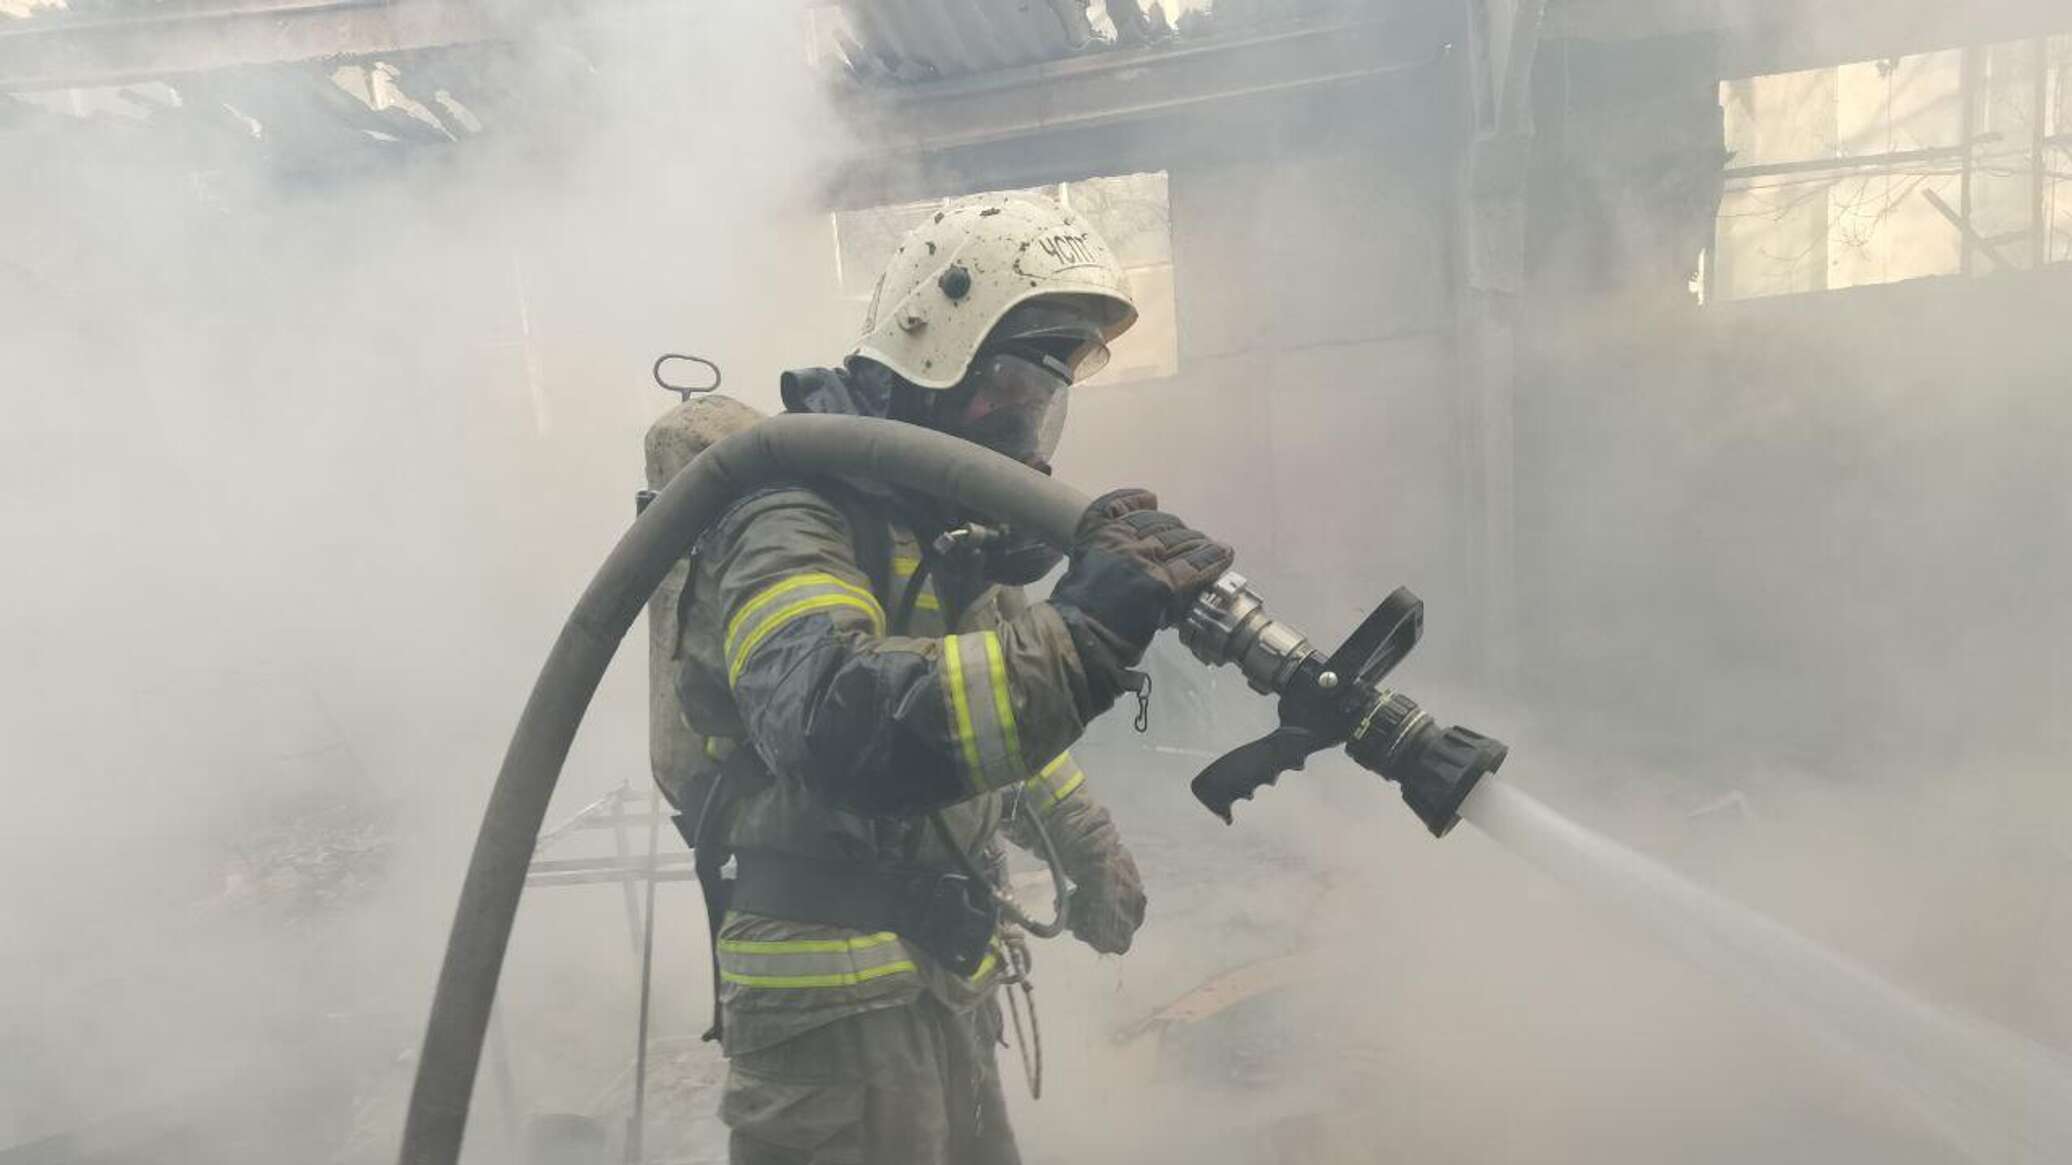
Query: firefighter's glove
[(1108, 903), (1135, 569)]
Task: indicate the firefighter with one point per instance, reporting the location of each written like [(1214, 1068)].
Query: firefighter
[(882, 703)]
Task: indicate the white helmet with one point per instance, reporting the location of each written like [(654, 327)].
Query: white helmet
[(954, 277)]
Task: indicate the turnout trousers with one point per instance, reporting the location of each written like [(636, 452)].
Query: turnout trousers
[(915, 1084)]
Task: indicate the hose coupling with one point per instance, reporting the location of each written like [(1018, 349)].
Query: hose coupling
[(1228, 623)]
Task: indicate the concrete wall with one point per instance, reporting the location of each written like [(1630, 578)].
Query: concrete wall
[(1818, 531), (1827, 528), (1313, 416)]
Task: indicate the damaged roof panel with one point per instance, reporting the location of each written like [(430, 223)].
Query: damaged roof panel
[(907, 41), (915, 40), (114, 43)]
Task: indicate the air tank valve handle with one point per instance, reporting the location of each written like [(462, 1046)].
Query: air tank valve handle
[(1339, 700)]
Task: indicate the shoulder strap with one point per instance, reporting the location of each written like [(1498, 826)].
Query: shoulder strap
[(741, 775), (869, 533)]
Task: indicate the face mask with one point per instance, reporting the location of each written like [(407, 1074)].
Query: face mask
[(1017, 406)]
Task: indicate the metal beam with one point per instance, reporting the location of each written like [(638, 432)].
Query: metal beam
[(632, 866), (1508, 34), (1897, 162), (1974, 240), (2039, 150), (931, 125), (588, 877), (1758, 37), (588, 817), (53, 51)]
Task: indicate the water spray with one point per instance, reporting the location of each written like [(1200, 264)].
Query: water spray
[(1331, 701), (1985, 1091)]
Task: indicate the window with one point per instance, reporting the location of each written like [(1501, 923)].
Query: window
[(1941, 163), (1131, 211)]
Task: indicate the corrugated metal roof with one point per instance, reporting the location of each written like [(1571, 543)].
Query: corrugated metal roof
[(908, 41), (916, 40)]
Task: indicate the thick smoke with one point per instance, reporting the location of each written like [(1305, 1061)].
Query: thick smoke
[(303, 464), (305, 458)]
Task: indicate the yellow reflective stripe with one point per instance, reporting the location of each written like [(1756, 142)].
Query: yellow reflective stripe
[(903, 568), (1056, 781), (836, 962), (982, 709), (779, 601), (788, 599), (953, 679), (836, 979), (1003, 699), (777, 590), (812, 962), (1078, 779), (786, 614), (804, 946)]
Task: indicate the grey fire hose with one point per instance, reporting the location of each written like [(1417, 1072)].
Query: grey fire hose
[(785, 447)]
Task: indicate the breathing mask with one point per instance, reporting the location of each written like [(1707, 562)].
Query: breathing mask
[(1013, 398), (1014, 404)]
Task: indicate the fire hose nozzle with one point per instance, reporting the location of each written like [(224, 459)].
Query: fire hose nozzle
[(1335, 701), (1435, 768)]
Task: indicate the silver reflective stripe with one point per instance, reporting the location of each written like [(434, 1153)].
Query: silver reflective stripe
[(1049, 788), (809, 964), (982, 710), (792, 598)]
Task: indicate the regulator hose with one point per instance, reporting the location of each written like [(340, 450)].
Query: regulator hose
[(780, 449)]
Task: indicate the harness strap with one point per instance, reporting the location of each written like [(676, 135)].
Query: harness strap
[(869, 535), (741, 773)]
